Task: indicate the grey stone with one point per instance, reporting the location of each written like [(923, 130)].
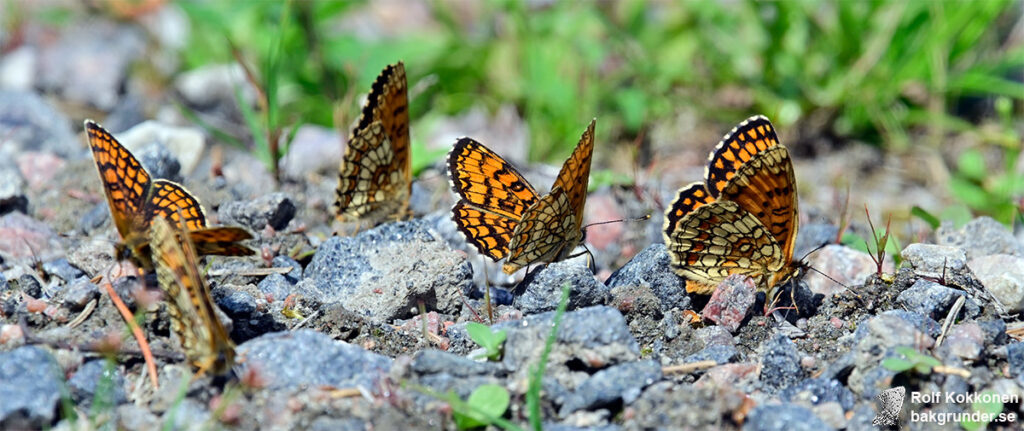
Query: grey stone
[(31, 383), (159, 162), (27, 240), (591, 335), (435, 362), (932, 260), (651, 268), (1015, 357), (783, 417), (306, 358), (819, 391), (965, 340), (63, 270), (275, 285), (90, 62), (176, 149), (80, 293), (811, 236), (721, 354), (934, 300), (780, 363), (542, 288), (136, 418), (96, 379), (275, 209), (30, 123), (236, 304), (995, 331), (293, 276), (387, 271), (95, 219), (982, 236), (844, 265), (1003, 276), (623, 382), (30, 285), (314, 149), (12, 186)]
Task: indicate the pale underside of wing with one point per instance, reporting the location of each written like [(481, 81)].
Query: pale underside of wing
[(548, 232), (371, 186)]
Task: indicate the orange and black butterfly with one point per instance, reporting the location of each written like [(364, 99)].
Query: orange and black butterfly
[(501, 214), (742, 219), (193, 312), (136, 200), (375, 179)]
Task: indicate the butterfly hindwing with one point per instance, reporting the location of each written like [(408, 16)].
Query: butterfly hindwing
[(547, 232), (193, 317)]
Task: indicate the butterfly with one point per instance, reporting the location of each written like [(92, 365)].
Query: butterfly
[(501, 214), (136, 200), (742, 219), (375, 179), (193, 314)]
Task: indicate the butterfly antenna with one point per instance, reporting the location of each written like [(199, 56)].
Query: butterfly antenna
[(645, 217)]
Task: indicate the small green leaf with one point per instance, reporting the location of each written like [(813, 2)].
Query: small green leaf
[(925, 216), (486, 403), (896, 364), (972, 165)]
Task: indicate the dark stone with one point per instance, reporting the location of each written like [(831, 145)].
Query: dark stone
[(722, 354), (94, 219), (306, 358), (620, 383), (30, 123), (275, 209), (651, 267), (63, 270), (30, 285), (95, 379), (995, 331), (236, 304), (780, 364), (783, 417), (934, 300), (295, 274), (31, 384), (160, 162), (541, 289), (80, 293)]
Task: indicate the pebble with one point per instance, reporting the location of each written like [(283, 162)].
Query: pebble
[(63, 270), (780, 363), (90, 62), (934, 300), (982, 236), (18, 69), (651, 268), (721, 354), (966, 340), (30, 388), (783, 417), (845, 265), (282, 261), (176, 151), (214, 86), (542, 288), (731, 302), (314, 149), (596, 336), (819, 391), (30, 123), (620, 383), (39, 168), (307, 358), (79, 293), (12, 186), (1015, 358), (389, 270), (275, 285), (930, 260), (95, 379), (1003, 276), (24, 239), (275, 210)]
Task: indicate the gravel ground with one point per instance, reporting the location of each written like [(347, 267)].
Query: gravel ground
[(358, 329)]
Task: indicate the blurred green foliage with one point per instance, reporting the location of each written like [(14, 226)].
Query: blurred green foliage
[(872, 69)]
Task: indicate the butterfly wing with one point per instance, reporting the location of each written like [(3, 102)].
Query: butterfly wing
[(203, 337), (575, 174), (221, 240), (547, 232), (742, 143), (125, 182), (375, 177), (488, 189)]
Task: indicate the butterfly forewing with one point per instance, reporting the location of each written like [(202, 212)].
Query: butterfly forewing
[(737, 147), (575, 174), (375, 177), (125, 182), (193, 317)]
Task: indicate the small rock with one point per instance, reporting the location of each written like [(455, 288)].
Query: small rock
[(131, 417), (780, 363), (314, 149), (39, 168), (128, 113), (596, 336), (817, 391), (214, 85), (25, 239), (386, 272), (934, 300), (931, 260), (731, 302), (170, 145), (18, 69), (783, 417), (982, 236), (306, 358), (275, 209), (721, 354), (80, 293), (620, 383), (275, 285), (89, 64), (1003, 276), (435, 362), (650, 268), (282, 261), (30, 285), (994, 329), (94, 220), (234, 303), (63, 270), (542, 288), (844, 264), (30, 387), (30, 123), (95, 256), (1015, 357), (966, 340), (95, 379), (12, 187), (715, 335)]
